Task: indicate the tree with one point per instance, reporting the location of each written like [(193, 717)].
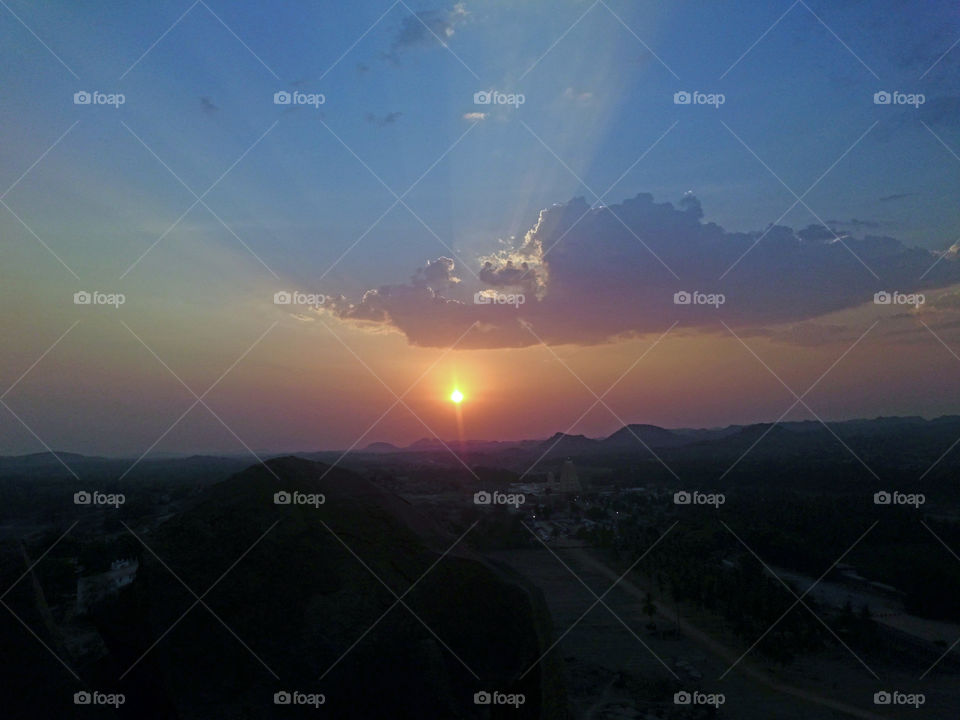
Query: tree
[(649, 609)]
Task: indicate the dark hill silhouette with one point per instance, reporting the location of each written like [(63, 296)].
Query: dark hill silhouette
[(652, 435), (381, 447), (300, 599), (563, 444)]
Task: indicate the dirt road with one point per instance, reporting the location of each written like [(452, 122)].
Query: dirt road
[(586, 558)]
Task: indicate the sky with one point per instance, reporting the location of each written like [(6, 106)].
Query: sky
[(513, 199)]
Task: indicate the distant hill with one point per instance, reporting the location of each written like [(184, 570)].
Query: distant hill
[(632, 436), (562, 444), (381, 447), (62, 465), (482, 446), (640, 453), (427, 444), (909, 433)]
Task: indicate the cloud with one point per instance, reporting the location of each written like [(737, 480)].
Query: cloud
[(811, 334), (896, 196), (427, 28), (509, 274), (593, 275), (580, 97), (383, 120), (944, 301), (853, 223), (408, 304), (436, 274)]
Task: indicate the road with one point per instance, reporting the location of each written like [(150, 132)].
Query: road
[(728, 655)]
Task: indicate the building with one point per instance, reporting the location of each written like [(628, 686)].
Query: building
[(94, 588), (568, 484)]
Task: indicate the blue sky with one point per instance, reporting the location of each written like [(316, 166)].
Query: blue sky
[(199, 98)]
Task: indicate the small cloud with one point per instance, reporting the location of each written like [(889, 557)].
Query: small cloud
[(810, 334), (206, 104), (436, 274), (896, 196), (381, 121), (475, 116), (427, 28), (509, 274), (855, 223), (577, 96)]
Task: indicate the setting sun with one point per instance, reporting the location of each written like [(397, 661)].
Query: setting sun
[(456, 396)]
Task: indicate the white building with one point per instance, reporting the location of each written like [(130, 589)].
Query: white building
[(93, 588)]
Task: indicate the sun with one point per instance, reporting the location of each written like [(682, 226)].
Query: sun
[(456, 397)]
